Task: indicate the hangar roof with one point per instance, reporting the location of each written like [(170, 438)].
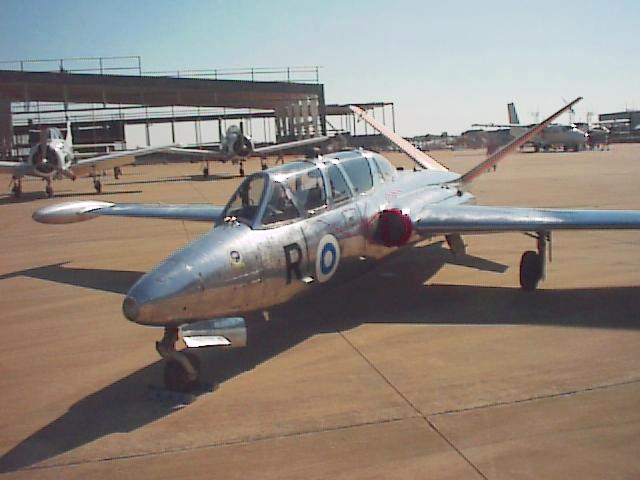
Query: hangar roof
[(152, 91)]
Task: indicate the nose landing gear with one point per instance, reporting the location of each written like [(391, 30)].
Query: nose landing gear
[(49, 188), (182, 370)]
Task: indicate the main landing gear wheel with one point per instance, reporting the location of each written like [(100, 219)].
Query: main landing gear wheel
[(177, 377), (17, 188), (49, 191), (97, 185), (241, 169), (205, 172), (182, 370), (530, 270), (117, 172)]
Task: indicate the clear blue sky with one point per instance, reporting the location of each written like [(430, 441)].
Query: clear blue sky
[(445, 65)]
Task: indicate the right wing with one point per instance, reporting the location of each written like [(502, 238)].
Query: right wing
[(448, 219), (79, 211), (279, 147), (111, 160)]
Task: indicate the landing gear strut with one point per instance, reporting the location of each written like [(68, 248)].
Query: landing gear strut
[(241, 168), (533, 264), (49, 189), (182, 370), (97, 185), (205, 170), (16, 189), (117, 171)]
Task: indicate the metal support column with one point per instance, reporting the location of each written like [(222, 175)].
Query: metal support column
[(6, 129), (393, 116)]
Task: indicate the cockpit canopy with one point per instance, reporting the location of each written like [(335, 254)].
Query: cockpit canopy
[(305, 188), (282, 194)]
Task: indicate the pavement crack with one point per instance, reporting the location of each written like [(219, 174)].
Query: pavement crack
[(536, 397), (406, 399), (243, 441)]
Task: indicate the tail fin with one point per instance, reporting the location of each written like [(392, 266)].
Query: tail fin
[(421, 158), (494, 158), (69, 138), (513, 115)]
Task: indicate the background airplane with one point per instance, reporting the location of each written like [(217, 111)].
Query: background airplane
[(304, 225), (569, 137), (54, 159), (236, 146)]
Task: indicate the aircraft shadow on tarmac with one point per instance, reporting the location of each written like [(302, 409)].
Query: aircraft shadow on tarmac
[(115, 281), (392, 293), (30, 196)]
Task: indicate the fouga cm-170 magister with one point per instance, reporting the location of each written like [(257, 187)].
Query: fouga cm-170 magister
[(294, 228)]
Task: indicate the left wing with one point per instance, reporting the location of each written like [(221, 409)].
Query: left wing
[(15, 168), (441, 219), (79, 211)]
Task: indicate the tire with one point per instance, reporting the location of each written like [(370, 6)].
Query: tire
[(530, 270), (98, 186), (205, 172), (176, 378), (49, 191)]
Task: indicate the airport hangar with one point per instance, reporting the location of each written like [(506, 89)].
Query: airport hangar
[(100, 104)]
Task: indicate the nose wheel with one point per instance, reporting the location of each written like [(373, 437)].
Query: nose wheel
[(182, 370)]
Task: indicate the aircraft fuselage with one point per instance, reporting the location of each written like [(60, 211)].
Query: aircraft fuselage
[(237, 268)]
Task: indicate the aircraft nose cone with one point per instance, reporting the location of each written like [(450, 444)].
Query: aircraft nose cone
[(165, 295), (131, 309)]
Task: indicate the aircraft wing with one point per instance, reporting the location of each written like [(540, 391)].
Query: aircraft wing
[(197, 153), (503, 125), (111, 160), (279, 147), (79, 211), (14, 168), (441, 219), (418, 156)]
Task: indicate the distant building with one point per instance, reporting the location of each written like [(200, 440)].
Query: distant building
[(623, 126)]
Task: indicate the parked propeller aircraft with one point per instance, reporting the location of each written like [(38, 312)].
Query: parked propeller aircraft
[(54, 159), (569, 137), (236, 146), (298, 227)]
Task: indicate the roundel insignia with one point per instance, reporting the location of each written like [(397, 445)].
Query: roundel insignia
[(235, 259), (327, 258)]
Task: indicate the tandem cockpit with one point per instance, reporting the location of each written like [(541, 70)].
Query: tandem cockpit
[(305, 188)]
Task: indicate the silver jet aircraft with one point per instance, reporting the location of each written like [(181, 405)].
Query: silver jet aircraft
[(236, 146), (569, 137), (54, 159), (298, 227)]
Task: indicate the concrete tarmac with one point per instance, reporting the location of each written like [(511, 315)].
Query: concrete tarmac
[(427, 367)]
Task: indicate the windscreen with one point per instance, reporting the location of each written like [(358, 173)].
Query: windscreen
[(244, 204)]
